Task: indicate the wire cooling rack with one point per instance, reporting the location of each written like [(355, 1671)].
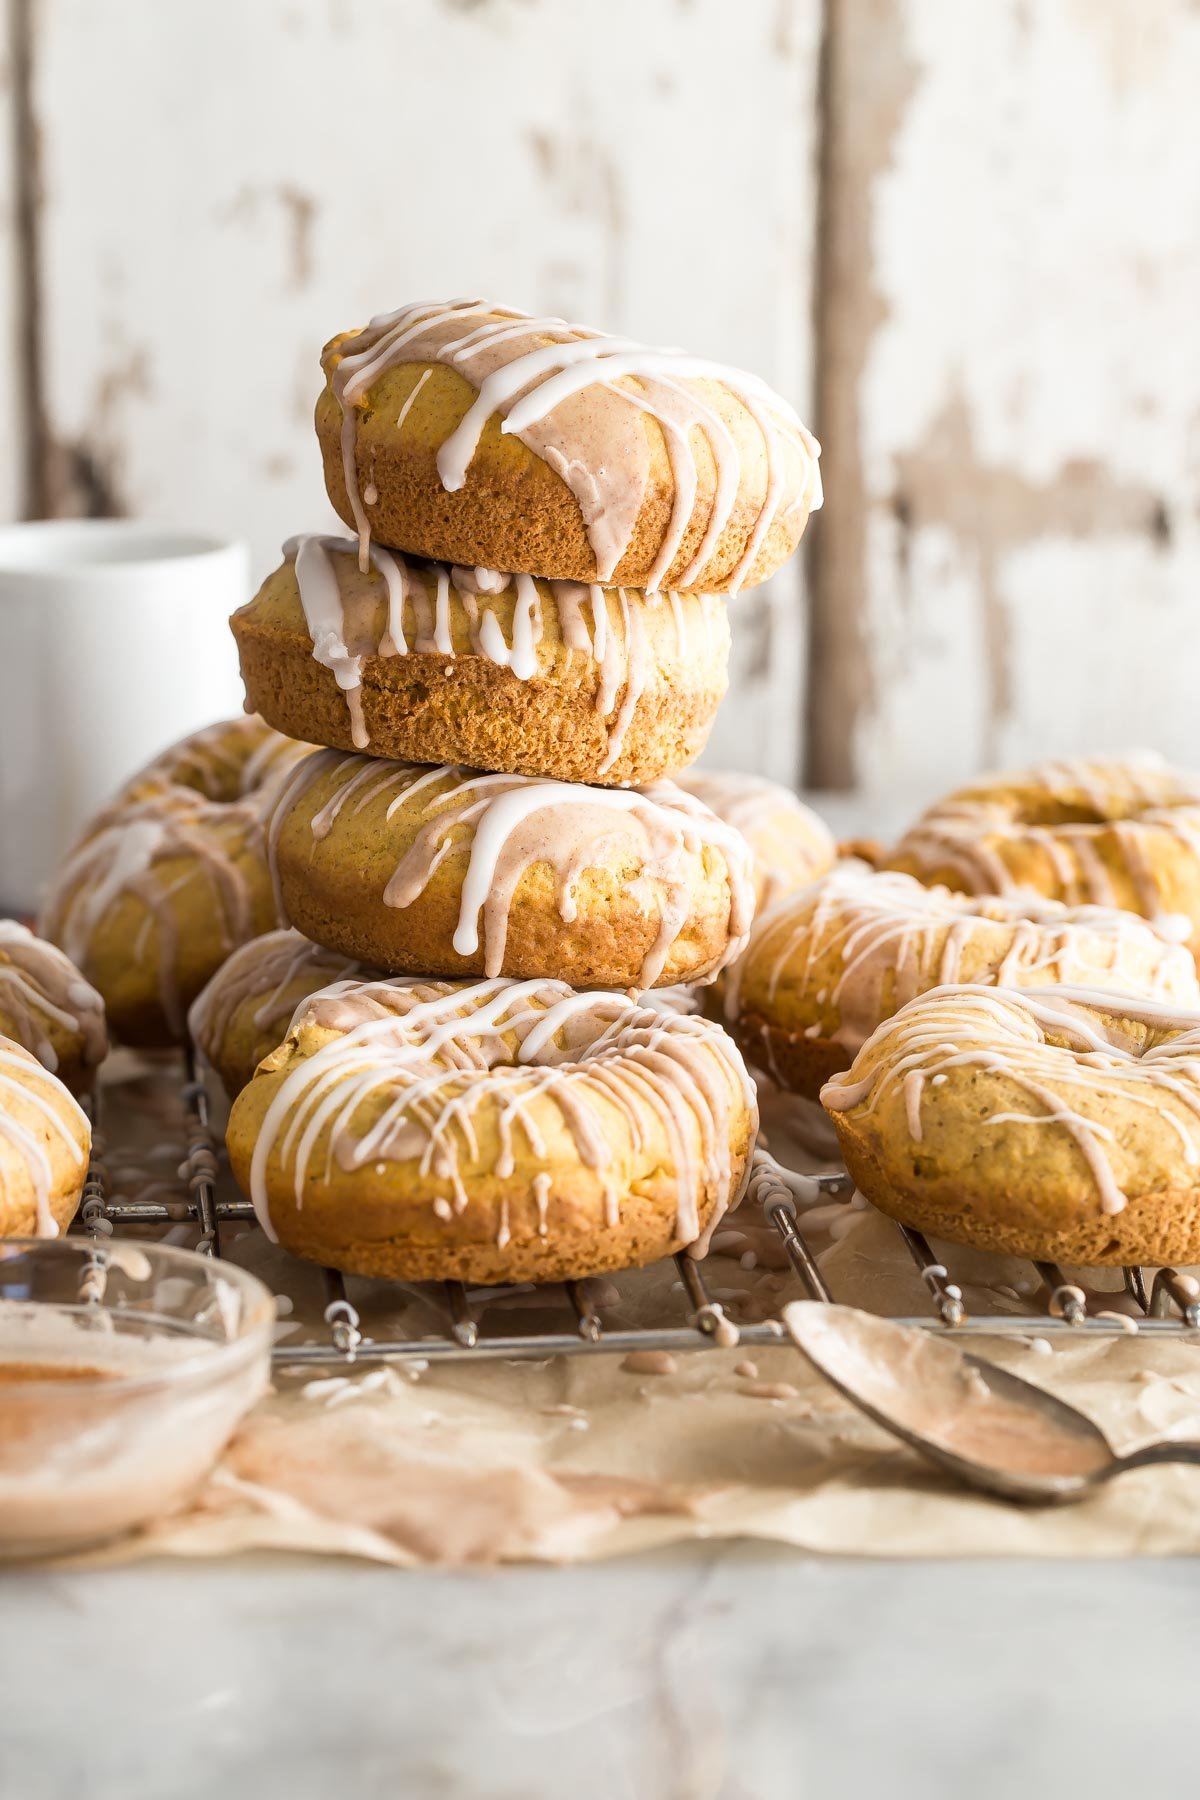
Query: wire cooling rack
[(571, 1315)]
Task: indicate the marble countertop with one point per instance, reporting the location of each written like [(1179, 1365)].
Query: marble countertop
[(732, 1672)]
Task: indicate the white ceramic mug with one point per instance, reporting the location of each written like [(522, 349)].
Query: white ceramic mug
[(113, 643)]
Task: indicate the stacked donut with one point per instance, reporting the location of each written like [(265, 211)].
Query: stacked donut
[(524, 639)]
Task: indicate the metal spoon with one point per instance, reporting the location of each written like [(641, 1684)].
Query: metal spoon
[(989, 1428)]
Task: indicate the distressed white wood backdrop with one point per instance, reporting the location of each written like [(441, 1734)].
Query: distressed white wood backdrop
[(991, 211)]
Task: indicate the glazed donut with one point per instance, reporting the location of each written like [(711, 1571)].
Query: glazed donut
[(1056, 1123), (44, 1143), (492, 1131), (828, 964), (1112, 831), (445, 871), (435, 664), (243, 1012), (789, 843), (475, 434), (48, 1008), (171, 877)]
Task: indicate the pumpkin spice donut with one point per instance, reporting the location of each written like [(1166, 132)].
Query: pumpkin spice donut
[(446, 871), (1110, 831), (790, 844), (171, 877), (244, 1011), (475, 434), (431, 663), (825, 967), (1056, 1123), (492, 1131), (44, 1143), (48, 1008)]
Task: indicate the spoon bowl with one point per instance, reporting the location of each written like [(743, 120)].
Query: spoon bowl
[(981, 1423)]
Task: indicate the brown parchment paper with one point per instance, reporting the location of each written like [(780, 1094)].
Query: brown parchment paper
[(589, 1456)]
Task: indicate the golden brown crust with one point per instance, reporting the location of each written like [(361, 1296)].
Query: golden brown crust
[(39, 1191), (432, 708), (514, 511), (1158, 1228), (333, 886)]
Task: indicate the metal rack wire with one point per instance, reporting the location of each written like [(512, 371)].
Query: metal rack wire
[(1168, 1303)]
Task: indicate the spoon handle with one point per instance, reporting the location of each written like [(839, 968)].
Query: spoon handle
[(1178, 1451)]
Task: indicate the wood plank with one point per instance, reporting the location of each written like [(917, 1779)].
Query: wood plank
[(1010, 556), (18, 194), (216, 209)]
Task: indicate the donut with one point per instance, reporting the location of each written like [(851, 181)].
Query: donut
[(445, 871), (171, 877), (243, 1012), (44, 1143), (1058, 1123), (431, 663), (789, 843), (476, 434), (491, 1131), (48, 1008), (829, 963), (1110, 831)]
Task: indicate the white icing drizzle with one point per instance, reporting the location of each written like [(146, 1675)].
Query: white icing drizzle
[(203, 803), (274, 973), (553, 385), (515, 822), (342, 637), (1068, 1048), (892, 938), (414, 1069), (40, 989), (1137, 801), (790, 843), (24, 1083)]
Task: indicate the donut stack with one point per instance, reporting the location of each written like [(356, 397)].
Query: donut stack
[(525, 637)]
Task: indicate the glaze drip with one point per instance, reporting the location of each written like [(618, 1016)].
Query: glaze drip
[(573, 396), (429, 1072)]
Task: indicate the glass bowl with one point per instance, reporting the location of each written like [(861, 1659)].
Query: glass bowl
[(124, 1368)]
